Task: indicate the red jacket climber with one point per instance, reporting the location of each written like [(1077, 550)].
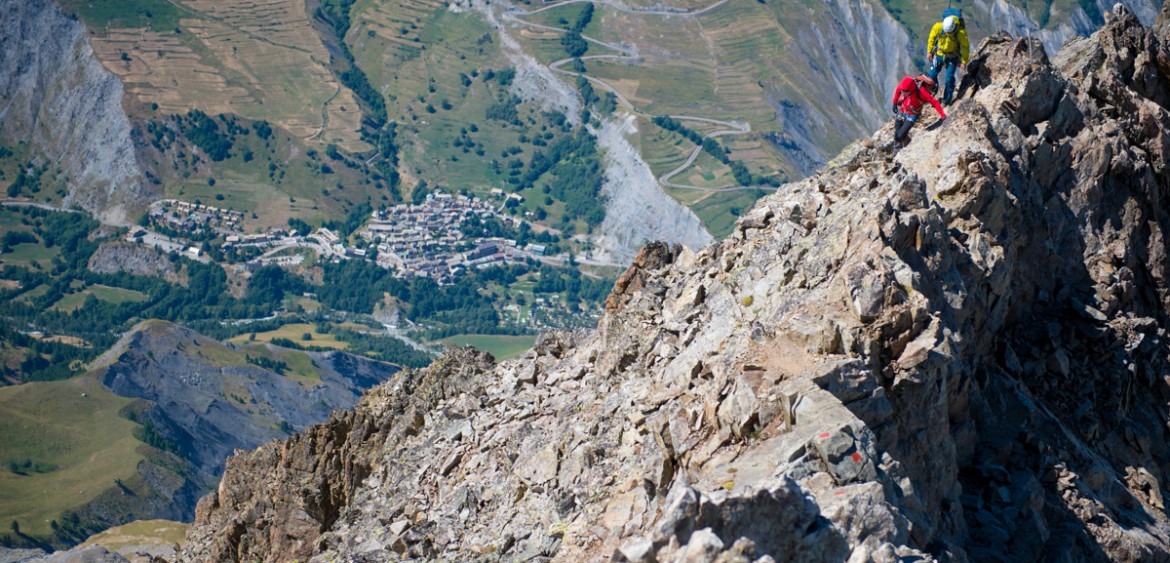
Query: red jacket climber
[(911, 95)]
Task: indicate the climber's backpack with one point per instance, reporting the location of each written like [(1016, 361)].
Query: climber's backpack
[(953, 12)]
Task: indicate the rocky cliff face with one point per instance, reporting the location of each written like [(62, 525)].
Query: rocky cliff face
[(957, 350), (55, 95), (1004, 15), (637, 210)]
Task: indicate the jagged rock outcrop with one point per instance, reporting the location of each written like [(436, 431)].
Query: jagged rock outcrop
[(120, 256), (56, 96), (956, 351)]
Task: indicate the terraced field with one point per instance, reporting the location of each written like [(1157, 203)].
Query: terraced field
[(397, 22), (663, 150), (256, 59)]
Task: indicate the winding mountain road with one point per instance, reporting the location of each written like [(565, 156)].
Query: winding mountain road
[(45, 206), (629, 54)]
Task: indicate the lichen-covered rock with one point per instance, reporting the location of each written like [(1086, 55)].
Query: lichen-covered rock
[(956, 351)]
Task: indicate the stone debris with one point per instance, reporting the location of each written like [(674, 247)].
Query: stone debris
[(954, 351)]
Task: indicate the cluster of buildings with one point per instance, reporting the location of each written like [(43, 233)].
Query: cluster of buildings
[(270, 238), (427, 239), (424, 239), (195, 216)]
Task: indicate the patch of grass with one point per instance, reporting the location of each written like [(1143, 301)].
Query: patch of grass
[(502, 347), (115, 295), (294, 332), (718, 211), (307, 304), (27, 253), (74, 425), (33, 294), (213, 352), (71, 302), (10, 220), (141, 532), (562, 16), (300, 366), (103, 14)]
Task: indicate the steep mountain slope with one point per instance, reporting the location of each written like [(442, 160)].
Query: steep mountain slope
[(956, 350), (1052, 22), (209, 399), (190, 403), (56, 99)]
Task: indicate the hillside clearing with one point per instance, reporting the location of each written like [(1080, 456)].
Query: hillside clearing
[(72, 425), (500, 346)]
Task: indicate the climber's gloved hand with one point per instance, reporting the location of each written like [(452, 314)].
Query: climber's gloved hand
[(894, 108)]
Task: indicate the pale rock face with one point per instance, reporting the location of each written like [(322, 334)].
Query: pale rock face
[(1010, 18), (55, 95), (953, 350), (637, 209)]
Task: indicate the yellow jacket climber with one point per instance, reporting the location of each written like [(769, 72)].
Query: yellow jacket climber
[(953, 44), (947, 48)]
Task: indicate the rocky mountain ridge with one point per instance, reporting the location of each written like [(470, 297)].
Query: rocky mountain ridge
[(956, 350)]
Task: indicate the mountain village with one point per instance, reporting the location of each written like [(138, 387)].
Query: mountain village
[(425, 239)]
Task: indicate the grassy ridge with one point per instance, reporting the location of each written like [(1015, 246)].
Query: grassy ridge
[(73, 425)]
